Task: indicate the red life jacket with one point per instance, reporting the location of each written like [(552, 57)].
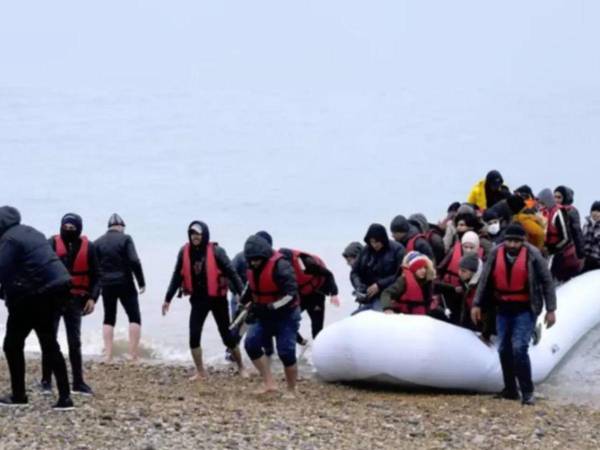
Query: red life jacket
[(266, 291), (451, 272), (552, 236), (80, 272), (307, 284), (216, 283), (412, 301), (513, 286), (410, 245)]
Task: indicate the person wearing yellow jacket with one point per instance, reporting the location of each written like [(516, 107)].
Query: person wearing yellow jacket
[(488, 192)]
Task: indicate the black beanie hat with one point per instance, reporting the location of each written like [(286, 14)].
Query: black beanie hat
[(490, 214), (515, 231), (73, 219), (399, 225), (453, 207), (469, 262), (596, 206), (516, 203), (524, 191)]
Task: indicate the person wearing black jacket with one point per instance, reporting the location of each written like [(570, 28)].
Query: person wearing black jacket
[(33, 280), (316, 282), (79, 257), (274, 293), (202, 272), (376, 268), (119, 263), (410, 237)]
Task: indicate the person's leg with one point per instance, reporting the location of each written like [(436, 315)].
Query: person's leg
[(72, 314), (46, 361), (286, 327), (303, 307), (255, 338), (504, 325), (220, 313), (198, 314), (524, 325), (109, 301), (18, 326), (131, 305), (44, 327), (316, 312)]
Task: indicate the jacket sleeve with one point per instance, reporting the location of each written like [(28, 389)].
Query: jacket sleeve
[(285, 278), (312, 268), (226, 267), (576, 233), (176, 278), (392, 292), (356, 273), (94, 272), (563, 230), (484, 289), (422, 246), (8, 255), (134, 262), (389, 280), (544, 277)]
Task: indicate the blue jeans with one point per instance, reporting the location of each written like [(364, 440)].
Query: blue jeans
[(282, 325), (375, 305), (514, 334)]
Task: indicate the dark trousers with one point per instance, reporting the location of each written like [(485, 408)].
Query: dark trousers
[(72, 311), (33, 313), (314, 305), (514, 334), (128, 295), (220, 311)]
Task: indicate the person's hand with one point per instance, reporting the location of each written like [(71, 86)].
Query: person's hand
[(550, 319), (89, 307), (142, 290), (388, 311), (476, 314), (459, 289), (335, 300), (165, 308), (372, 290)]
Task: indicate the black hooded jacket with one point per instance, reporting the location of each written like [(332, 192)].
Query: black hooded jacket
[(117, 259), (574, 219), (377, 267), (494, 196), (198, 260), (283, 274), (28, 265), (422, 245)]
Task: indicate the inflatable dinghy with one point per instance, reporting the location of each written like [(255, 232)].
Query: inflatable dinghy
[(419, 351)]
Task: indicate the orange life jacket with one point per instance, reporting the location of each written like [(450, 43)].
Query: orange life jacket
[(307, 284), (410, 245), (412, 301), (451, 272), (266, 290)]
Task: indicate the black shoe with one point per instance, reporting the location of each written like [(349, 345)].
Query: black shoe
[(82, 389), (528, 399), (507, 395), (64, 404), (10, 402), (46, 387)]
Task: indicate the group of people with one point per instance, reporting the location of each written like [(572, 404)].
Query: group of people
[(490, 265)]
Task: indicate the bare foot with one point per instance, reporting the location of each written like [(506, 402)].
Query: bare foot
[(243, 373), (289, 395), (198, 376), (265, 390)]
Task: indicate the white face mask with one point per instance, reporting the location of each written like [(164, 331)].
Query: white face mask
[(494, 228)]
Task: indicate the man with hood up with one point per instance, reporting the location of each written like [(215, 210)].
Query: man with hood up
[(276, 307), (78, 255), (376, 268), (410, 236), (565, 196), (488, 192), (119, 264), (33, 281), (202, 272), (433, 234)]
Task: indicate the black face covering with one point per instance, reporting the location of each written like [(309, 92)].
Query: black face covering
[(69, 236)]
